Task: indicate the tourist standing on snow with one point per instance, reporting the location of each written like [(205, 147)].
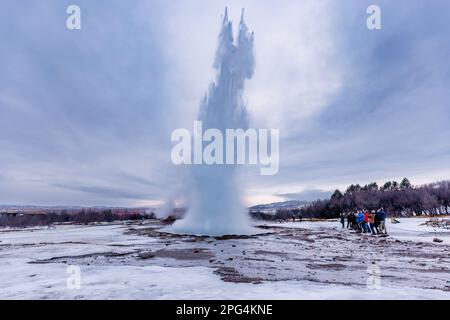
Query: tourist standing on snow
[(355, 225), (349, 220), (366, 221), (360, 221), (377, 221), (343, 219), (382, 220), (372, 222)]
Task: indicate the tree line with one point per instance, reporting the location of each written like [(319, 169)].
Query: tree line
[(398, 199), (81, 217)]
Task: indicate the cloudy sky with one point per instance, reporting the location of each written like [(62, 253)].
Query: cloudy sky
[(86, 115)]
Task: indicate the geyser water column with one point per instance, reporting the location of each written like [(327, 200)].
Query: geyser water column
[(215, 200)]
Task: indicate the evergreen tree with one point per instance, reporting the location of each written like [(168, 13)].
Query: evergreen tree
[(405, 184)]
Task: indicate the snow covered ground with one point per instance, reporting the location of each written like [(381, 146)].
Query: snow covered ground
[(308, 260)]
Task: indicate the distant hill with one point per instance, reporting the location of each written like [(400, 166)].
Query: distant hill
[(273, 207)]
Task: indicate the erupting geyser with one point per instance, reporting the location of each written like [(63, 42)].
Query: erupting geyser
[(215, 206)]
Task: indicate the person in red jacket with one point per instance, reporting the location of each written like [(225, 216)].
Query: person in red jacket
[(366, 221)]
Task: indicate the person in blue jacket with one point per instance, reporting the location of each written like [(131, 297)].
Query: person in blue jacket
[(360, 221)]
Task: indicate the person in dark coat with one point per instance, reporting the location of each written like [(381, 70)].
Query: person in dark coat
[(349, 220), (343, 219), (382, 220)]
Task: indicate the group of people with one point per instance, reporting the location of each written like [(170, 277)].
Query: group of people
[(366, 221)]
